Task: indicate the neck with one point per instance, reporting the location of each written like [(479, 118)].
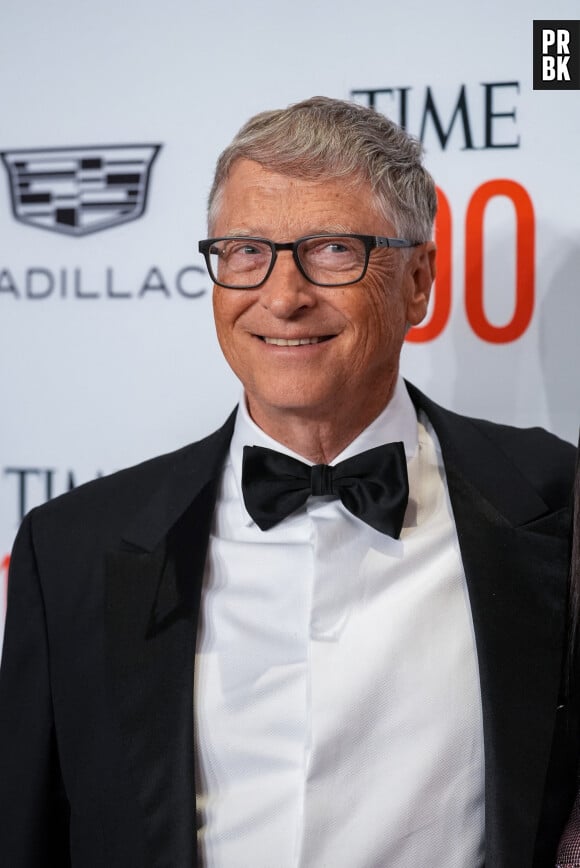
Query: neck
[(318, 436)]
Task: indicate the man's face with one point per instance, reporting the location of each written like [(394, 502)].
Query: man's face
[(354, 367)]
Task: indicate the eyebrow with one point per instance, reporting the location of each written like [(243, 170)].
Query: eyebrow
[(335, 229)]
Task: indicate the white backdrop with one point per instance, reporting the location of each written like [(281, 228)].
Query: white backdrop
[(107, 349)]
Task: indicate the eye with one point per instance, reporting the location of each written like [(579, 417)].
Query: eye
[(336, 247), (327, 247), (246, 249), (240, 255), (333, 251), (330, 247), (239, 248)]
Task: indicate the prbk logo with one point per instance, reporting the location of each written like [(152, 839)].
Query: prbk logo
[(556, 55), (81, 190)]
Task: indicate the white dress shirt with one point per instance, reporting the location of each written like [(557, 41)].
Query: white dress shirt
[(337, 699)]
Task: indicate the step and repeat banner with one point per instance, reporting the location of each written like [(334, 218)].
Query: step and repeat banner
[(112, 118)]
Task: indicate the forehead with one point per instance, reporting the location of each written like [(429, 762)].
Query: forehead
[(257, 200)]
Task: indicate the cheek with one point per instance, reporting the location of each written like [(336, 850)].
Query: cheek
[(229, 308), (226, 310), (384, 311), (224, 318)]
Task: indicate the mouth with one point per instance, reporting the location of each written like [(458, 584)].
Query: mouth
[(294, 342)]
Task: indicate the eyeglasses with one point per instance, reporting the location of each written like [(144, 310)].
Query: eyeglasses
[(325, 260)]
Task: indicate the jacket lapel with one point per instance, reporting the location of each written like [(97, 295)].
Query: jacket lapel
[(153, 585), (514, 552)]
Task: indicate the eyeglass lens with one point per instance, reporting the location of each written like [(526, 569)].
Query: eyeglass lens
[(244, 262)]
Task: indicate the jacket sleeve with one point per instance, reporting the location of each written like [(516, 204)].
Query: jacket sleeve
[(33, 806)]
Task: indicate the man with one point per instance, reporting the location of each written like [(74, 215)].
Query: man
[(378, 647)]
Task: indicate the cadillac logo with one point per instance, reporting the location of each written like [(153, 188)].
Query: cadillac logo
[(79, 190)]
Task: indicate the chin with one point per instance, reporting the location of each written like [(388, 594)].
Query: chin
[(296, 400)]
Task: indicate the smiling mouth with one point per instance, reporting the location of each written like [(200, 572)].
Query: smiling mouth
[(294, 342)]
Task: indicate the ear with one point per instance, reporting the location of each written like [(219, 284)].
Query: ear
[(421, 270)]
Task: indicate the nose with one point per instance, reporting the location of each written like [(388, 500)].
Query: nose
[(286, 292)]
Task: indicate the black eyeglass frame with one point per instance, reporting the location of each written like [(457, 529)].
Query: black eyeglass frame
[(371, 242)]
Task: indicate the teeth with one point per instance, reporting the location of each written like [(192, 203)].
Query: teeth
[(282, 342)]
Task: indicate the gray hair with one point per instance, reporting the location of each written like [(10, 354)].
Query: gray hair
[(329, 138)]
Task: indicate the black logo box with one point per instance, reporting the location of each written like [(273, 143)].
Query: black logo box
[(562, 62)]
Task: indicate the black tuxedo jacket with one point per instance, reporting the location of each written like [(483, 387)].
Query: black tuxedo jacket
[(97, 765)]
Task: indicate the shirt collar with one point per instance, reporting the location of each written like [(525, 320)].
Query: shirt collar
[(398, 421)]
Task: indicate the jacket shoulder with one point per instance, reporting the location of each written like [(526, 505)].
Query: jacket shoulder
[(112, 500), (546, 461)]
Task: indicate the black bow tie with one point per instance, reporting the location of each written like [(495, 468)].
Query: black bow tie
[(372, 485)]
